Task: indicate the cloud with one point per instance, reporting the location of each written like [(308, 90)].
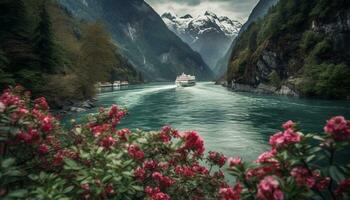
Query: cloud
[(235, 9)]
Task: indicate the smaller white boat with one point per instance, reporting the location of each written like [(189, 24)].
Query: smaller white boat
[(185, 80)]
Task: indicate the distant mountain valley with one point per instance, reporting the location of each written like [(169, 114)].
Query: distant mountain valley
[(209, 34)]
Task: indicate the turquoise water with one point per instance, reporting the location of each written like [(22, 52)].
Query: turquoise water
[(232, 123)]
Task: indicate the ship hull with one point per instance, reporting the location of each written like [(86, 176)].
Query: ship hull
[(185, 83)]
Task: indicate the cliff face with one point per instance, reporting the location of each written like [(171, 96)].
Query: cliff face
[(142, 37), (300, 45), (259, 11)]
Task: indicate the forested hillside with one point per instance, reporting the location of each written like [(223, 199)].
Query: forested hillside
[(143, 38), (301, 45), (45, 49)]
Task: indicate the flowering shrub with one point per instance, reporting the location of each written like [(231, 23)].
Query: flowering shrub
[(96, 160)]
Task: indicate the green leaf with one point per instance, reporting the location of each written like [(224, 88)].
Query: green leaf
[(127, 173), (310, 158), (106, 178), (68, 189), (71, 164), (17, 193), (137, 188), (336, 174), (99, 150), (128, 162), (317, 137), (7, 163)]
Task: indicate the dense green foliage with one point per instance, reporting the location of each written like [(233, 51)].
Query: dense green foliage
[(310, 40), (43, 48), (97, 160)]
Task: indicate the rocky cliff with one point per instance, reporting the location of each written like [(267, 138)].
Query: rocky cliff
[(259, 11), (142, 37), (300, 45)]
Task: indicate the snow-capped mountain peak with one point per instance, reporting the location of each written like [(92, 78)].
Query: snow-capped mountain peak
[(188, 16), (221, 24), (207, 33), (209, 13)]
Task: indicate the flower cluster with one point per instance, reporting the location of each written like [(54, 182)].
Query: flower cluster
[(96, 160), (217, 158), (285, 138), (311, 179), (156, 194), (135, 152), (194, 142), (269, 189), (228, 193), (338, 127)]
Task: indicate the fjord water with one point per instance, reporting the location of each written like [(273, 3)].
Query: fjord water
[(230, 122)]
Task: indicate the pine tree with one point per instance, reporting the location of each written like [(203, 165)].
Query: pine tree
[(44, 42), (15, 35), (97, 57), (5, 77)]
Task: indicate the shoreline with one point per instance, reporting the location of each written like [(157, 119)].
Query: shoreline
[(284, 90)]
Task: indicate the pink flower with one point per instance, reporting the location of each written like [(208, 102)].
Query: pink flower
[(109, 189), (217, 158), (41, 104), (85, 187), (288, 125), (194, 142), (46, 124), (135, 152), (108, 142), (236, 161), (113, 111), (338, 127), (25, 137), (139, 174), (160, 196), (43, 149), (156, 194), (163, 180), (228, 193), (267, 157), (157, 176), (199, 169), (99, 129), (150, 164), (2, 107), (283, 139), (8, 99), (268, 189), (123, 134), (115, 115), (311, 179), (343, 188), (184, 171), (322, 183)]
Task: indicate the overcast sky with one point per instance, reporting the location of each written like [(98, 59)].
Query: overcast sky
[(235, 9)]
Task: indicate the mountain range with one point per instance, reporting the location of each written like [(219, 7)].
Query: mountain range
[(142, 37), (208, 34)]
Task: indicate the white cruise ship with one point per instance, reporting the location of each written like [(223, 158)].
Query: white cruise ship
[(185, 80)]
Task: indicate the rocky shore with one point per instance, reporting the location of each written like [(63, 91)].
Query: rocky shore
[(261, 89), (76, 106)]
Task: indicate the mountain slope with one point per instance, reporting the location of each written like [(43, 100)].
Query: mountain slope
[(300, 47), (208, 34), (143, 37), (259, 11)]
